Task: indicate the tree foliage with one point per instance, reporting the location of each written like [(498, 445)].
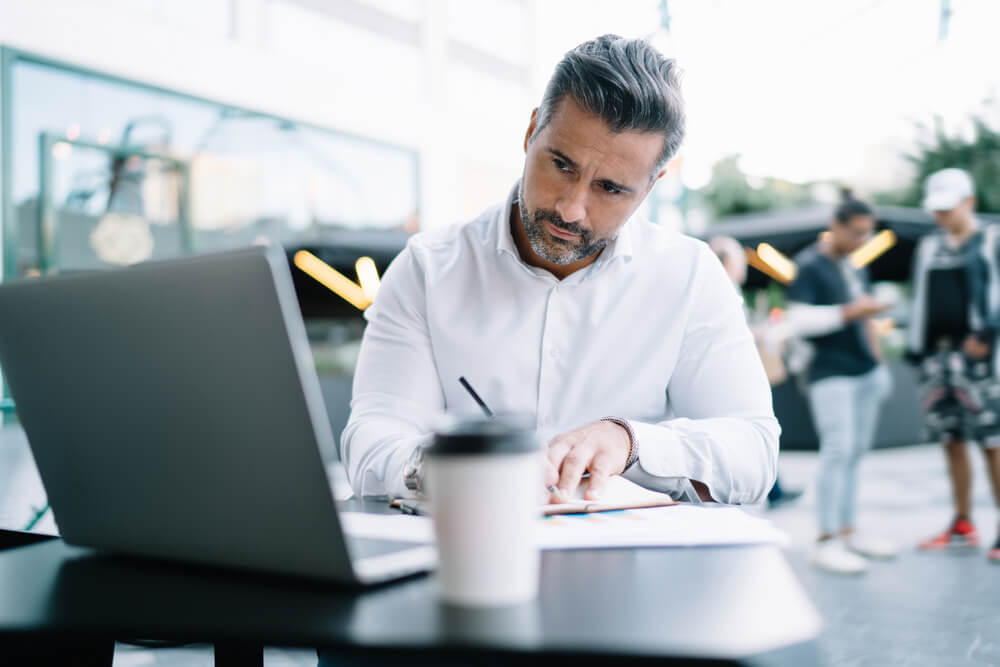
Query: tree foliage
[(977, 151), (730, 191)]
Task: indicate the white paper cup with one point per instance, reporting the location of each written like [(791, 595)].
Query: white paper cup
[(483, 480)]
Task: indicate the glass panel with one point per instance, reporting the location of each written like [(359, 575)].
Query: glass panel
[(107, 172), (252, 177), (114, 208)]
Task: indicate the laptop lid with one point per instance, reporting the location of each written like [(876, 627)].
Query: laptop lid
[(173, 411)]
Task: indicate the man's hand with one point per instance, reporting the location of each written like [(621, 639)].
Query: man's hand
[(600, 448), (862, 307), (975, 348)]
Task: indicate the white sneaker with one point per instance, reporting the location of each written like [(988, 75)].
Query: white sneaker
[(871, 546), (832, 555)]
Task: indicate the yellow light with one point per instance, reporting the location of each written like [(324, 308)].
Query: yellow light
[(331, 278), (73, 132), (873, 249), (368, 277), (756, 262), (784, 267)]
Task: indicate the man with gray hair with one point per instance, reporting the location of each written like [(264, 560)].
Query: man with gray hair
[(625, 342)]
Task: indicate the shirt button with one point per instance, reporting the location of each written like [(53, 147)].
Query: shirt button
[(554, 353)]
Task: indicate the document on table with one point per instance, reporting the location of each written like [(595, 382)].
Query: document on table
[(675, 526), (619, 494)]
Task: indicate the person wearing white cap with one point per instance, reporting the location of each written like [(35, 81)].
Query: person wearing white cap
[(952, 335)]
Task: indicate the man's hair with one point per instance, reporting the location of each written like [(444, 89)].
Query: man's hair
[(850, 207), (626, 82)]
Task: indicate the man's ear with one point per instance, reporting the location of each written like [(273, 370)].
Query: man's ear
[(655, 178), (532, 126)]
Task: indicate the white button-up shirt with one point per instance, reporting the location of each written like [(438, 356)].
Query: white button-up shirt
[(653, 331)]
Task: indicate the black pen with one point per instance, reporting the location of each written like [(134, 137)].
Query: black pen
[(551, 488), (475, 396)]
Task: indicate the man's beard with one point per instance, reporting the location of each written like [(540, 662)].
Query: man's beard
[(554, 249)]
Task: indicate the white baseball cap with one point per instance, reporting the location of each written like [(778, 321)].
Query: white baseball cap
[(945, 189)]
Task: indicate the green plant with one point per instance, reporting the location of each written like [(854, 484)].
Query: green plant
[(978, 152), (730, 192)]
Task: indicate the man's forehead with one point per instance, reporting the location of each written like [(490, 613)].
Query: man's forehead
[(586, 138)]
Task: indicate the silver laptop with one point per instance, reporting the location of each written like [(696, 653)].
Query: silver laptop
[(173, 411)]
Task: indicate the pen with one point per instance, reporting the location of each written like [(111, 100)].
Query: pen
[(551, 488), (475, 396)]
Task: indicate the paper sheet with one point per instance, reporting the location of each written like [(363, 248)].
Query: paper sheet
[(676, 526)]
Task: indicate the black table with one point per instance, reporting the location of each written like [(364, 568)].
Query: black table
[(739, 605), (718, 605)]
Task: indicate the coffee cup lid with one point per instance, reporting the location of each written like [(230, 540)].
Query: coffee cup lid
[(503, 435)]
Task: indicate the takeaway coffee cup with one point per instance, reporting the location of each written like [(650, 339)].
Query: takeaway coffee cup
[(483, 481)]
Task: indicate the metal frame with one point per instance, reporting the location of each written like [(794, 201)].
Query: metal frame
[(8, 240)]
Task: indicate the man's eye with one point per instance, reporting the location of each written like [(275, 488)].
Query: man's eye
[(610, 189), (560, 165)]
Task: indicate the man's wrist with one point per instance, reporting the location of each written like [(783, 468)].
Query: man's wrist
[(848, 312), (633, 444), (413, 470)]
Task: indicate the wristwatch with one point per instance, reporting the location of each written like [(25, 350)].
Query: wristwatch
[(413, 470)]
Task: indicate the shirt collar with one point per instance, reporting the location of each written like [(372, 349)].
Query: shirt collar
[(504, 239), (620, 247)]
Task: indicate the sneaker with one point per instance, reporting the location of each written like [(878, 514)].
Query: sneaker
[(871, 546), (993, 555), (961, 534), (833, 556)]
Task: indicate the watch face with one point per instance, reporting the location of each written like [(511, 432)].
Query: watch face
[(413, 471)]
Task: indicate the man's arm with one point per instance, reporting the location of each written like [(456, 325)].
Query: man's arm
[(980, 343), (725, 435), (396, 386), (805, 317), (724, 438)]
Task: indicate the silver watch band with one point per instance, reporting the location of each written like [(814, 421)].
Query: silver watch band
[(633, 444)]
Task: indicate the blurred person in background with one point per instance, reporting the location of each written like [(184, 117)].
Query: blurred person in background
[(952, 336), (734, 260), (829, 304), (625, 341)]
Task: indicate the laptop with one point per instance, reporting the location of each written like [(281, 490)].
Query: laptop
[(173, 411)]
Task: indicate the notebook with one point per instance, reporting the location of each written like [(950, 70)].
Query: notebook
[(619, 494)]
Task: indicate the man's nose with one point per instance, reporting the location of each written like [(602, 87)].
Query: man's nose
[(572, 205)]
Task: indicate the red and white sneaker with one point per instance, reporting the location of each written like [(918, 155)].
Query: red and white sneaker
[(961, 534)]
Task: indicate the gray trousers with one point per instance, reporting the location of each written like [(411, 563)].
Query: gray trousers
[(845, 410)]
